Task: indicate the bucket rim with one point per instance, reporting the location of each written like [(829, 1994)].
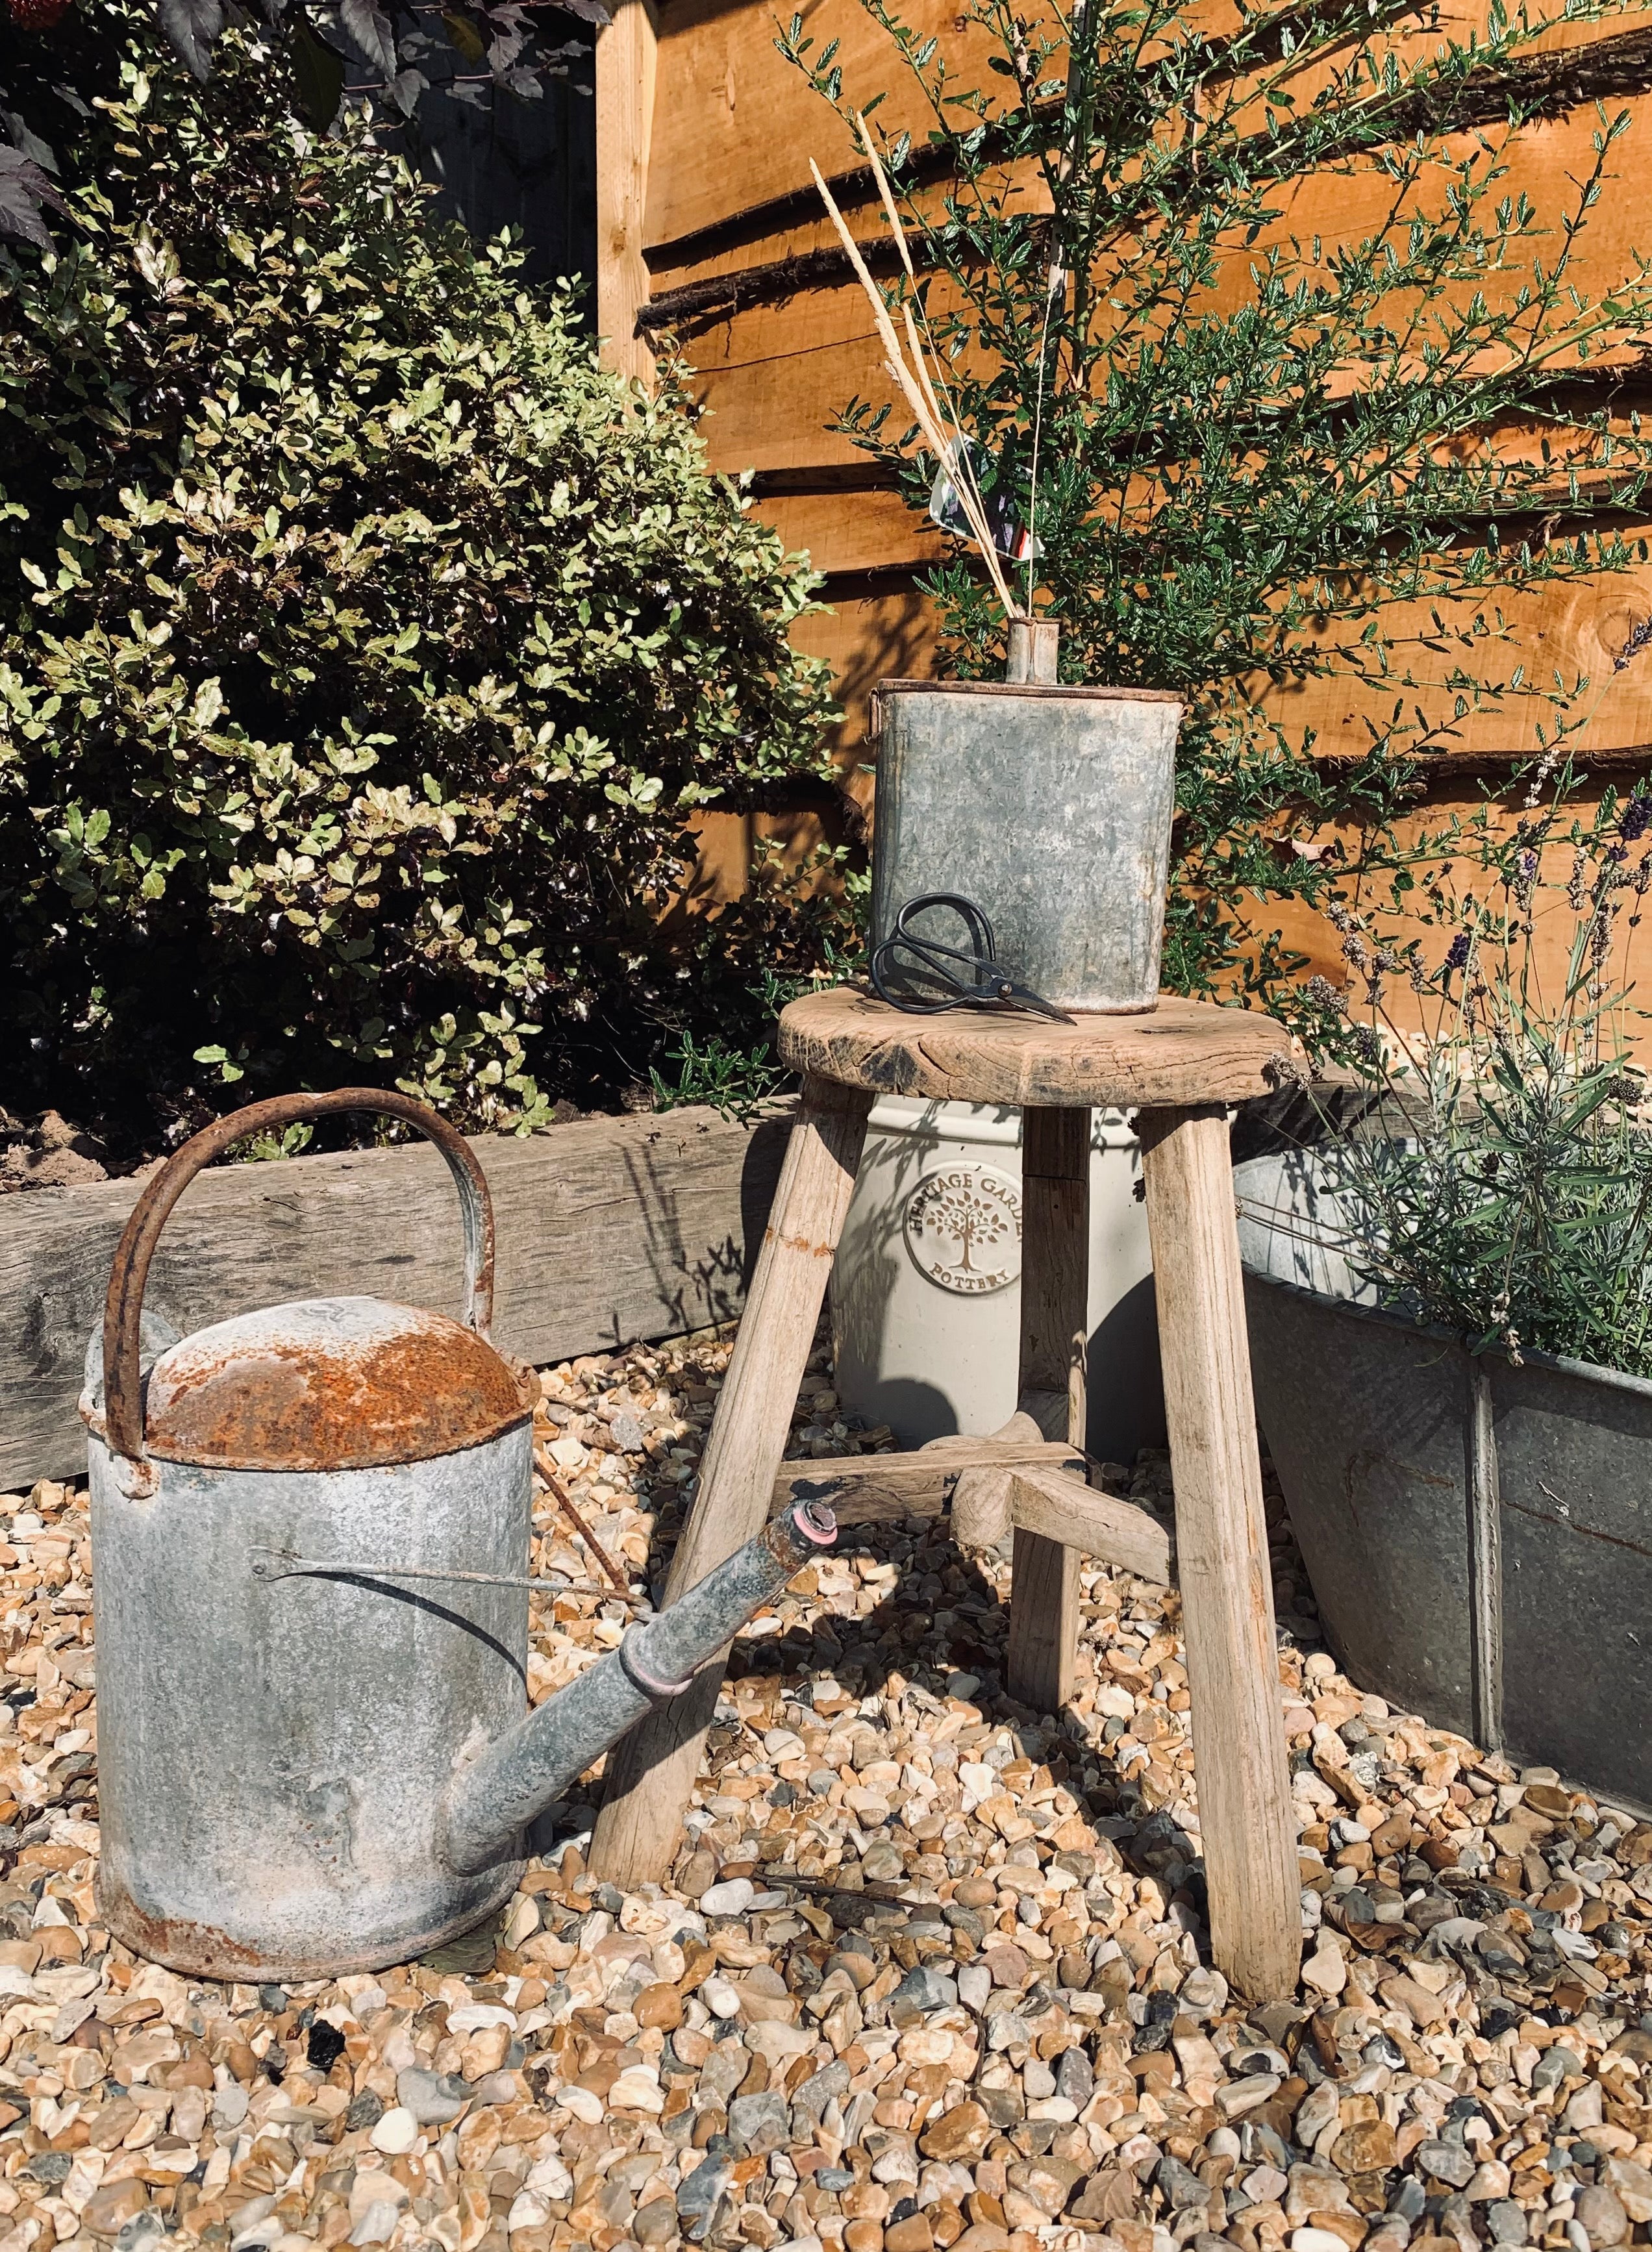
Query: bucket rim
[(1041, 690)]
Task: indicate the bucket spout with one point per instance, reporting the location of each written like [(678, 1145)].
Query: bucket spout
[(495, 1797)]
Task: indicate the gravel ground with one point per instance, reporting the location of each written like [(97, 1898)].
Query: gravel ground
[(928, 1972)]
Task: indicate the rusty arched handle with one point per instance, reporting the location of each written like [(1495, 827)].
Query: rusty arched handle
[(123, 1308)]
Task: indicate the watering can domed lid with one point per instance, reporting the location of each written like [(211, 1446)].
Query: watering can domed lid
[(331, 1384)]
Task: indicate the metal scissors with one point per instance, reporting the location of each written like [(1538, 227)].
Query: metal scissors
[(913, 972)]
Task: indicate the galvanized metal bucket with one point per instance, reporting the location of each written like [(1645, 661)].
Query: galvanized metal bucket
[(1051, 808), (1476, 1534)]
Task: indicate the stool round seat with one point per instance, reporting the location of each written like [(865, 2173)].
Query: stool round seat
[(1180, 1054)]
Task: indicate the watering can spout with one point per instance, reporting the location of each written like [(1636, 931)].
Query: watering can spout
[(497, 1795)]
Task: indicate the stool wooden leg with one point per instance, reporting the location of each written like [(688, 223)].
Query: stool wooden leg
[(1227, 1597), (1055, 1272), (652, 1770)]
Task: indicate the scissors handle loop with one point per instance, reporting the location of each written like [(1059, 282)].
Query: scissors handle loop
[(913, 971)]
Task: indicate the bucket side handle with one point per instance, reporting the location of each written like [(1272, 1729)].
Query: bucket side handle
[(124, 1307)]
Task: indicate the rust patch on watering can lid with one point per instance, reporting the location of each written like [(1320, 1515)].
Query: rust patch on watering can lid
[(330, 1384)]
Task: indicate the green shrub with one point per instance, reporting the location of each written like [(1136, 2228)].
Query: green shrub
[(365, 649)]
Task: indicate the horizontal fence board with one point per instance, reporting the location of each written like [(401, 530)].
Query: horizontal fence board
[(728, 253), (735, 124), (1575, 632), (609, 1230), (773, 414), (865, 637), (854, 531), (713, 179)]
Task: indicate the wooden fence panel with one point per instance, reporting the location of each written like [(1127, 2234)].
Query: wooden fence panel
[(735, 124)]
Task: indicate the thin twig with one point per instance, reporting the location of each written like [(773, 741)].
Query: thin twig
[(1057, 280), (918, 394), (963, 469), (564, 1501)]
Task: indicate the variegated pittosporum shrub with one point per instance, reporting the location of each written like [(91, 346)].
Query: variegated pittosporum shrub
[(365, 649)]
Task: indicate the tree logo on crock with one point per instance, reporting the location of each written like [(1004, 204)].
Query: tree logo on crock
[(962, 1227)]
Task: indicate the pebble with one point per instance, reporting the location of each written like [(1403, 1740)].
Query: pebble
[(1448, 2162), (930, 1972), (732, 1898), (759, 2123), (397, 2131), (112, 2206), (1632, 2185), (1324, 1971), (431, 2099), (1601, 2217)]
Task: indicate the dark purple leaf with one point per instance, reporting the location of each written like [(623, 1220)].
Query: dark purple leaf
[(16, 130), (26, 191), (366, 22), (405, 88), (192, 26), (507, 45), (319, 72)]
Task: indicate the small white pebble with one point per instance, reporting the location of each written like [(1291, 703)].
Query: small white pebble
[(397, 2130), (471, 2017), (720, 1998), (732, 1898), (975, 1985)]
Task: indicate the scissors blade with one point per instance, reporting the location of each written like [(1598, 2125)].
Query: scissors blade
[(1013, 994)]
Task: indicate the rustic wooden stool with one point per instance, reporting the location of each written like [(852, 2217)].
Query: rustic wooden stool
[(1176, 1068)]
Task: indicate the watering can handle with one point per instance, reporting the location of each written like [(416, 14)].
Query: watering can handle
[(123, 1308)]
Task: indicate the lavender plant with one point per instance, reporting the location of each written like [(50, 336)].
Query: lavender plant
[(1500, 1183)]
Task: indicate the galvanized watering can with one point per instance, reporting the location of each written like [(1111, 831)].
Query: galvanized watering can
[(310, 1527)]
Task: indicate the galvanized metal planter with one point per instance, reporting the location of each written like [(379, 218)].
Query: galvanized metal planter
[(1477, 1535), (1051, 808)]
